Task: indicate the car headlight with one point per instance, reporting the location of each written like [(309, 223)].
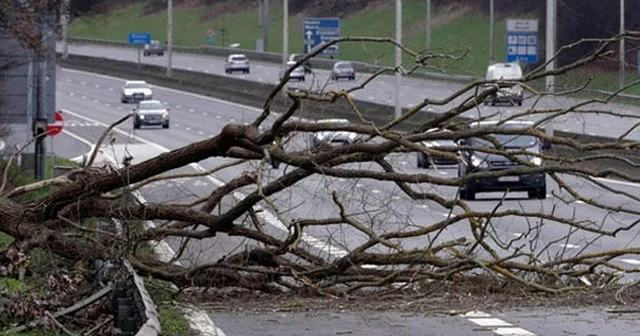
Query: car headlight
[(536, 160), (479, 162), (141, 117), (165, 115)]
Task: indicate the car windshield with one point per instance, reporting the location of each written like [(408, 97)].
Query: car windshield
[(507, 140), (343, 66), (150, 106), (238, 58), (136, 86)]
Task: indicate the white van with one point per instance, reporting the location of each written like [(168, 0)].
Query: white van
[(507, 92)]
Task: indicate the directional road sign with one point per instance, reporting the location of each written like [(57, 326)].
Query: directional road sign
[(139, 38), (55, 128), (522, 41), (321, 30)]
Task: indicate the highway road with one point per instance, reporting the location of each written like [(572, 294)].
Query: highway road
[(91, 102), (414, 90)]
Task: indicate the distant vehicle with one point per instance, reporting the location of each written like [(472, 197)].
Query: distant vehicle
[(343, 69), (135, 91), (236, 62), (332, 138), (153, 48), (150, 112), (445, 145), (507, 92), (477, 159), (296, 73), (306, 65)]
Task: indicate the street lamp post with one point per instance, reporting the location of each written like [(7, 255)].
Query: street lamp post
[(285, 32), (621, 44), (169, 35), (427, 23), (398, 107), (491, 19)]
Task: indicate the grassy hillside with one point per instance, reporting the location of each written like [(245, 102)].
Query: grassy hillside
[(454, 30)]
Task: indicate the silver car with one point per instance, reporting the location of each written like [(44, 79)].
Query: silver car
[(150, 112), (343, 69), (444, 145), (135, 91), (236, 62), (326, 139), (297, 73)]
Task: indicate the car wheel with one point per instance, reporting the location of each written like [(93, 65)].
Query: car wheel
[(493, 102), (247, 71), (420, 163), (467, 193), (519, 102), (353, 78), (166, 125), (136, 125)]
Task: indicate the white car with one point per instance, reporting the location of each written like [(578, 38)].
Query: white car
[(505, 74), (135, 91), (333, 138), (236, 62), (297, 73)]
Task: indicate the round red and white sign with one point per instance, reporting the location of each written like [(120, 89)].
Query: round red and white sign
[(55, 128)]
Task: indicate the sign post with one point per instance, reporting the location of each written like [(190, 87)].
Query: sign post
[(321, 30), (138, 40), (210, 36), (522, 41)]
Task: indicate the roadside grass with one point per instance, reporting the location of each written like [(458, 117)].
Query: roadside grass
[(464, 30)]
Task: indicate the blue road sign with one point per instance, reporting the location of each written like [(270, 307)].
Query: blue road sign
[(321, 30), (522, 47), (139, 38)]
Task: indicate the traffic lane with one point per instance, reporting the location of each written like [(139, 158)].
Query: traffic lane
[(232, 173), (592, 321), (413, 91), (343, 322), (379, 91)]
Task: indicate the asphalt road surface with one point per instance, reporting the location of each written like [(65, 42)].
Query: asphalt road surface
[(91, 102)]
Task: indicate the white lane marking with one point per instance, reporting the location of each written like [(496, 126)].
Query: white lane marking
[(496, 325), (83, 83), (232, 120), (218, 117), (220, 101), (205, 113), (84, 97), (579, 202), (198, 319), (631, 261), (178, 106), (110, 89), (107, 104), (188, 128), (569, 246), (71, 93), (490, 322), (375, 191), (97, 86), (95, 100), (267, 216), (359, 185), (200, 132), (192, 110), (189, 69)]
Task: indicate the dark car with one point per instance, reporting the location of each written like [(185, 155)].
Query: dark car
[(306, 64), (151, 112), (343, 69), (425, 160), (475, 158), (153, 48)]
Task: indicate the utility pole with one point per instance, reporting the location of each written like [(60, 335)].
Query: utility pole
[(264, 21), (398, 107), (65, 29), (427, 23), (491, 19), (169, 35), (622, 62), (285, 32), (550, 44)]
